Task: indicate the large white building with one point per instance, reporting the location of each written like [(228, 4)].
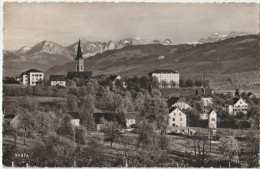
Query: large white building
[(167, 78), (177, 118), (207, 101), (31, 77)]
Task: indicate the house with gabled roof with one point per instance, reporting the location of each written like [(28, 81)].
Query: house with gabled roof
[(58, 80), (177, 118), (179, 102), (212, 119), (75, 119), (236, 105), (130, 118), (166, 78)]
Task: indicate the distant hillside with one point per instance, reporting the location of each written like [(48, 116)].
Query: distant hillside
[(233, 55)]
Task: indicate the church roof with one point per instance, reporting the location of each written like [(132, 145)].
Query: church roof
[(79, 54), (80, 75)]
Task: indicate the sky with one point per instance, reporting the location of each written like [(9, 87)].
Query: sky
[(25, 24)]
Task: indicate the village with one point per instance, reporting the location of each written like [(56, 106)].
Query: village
[(80, 107)]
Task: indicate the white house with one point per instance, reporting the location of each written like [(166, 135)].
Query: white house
[(167, 78), (31, 77), (180, 103), (58, 80), (130, 118), (212, 120), (236, 105), (75, 119), (204, 115), (207, 101), (177, 118)]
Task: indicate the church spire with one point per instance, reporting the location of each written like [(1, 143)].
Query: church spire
[(79, 54)]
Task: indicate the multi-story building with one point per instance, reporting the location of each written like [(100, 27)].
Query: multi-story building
[(177, 118), (236, 105), (167, 78), (58, 80), (31, 77)]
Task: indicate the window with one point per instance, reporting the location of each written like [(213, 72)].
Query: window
[(213, 119), (174, 114), (173, 125), (179, 114), (173, 119), (180, 119)]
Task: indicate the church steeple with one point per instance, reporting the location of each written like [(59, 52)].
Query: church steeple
[(79, 60), (79, 54)]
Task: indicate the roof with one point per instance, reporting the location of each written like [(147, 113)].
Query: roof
[(74, 115), (163, 71), (119, 117), (30, 70), (80, 75), (130, 115), (57, 78), (230, 102), (174, 100), (9, 116), (113, 77), (202, 90), (174, 108), (211, 111), (79, 54)]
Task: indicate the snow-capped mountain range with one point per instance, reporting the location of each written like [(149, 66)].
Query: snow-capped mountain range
[(47, 53)]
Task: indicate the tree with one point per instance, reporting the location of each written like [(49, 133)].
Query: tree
[(198, 83), (189, 83), (86, 112), (155, 82), (237, 93), (201, 156), (182, 83), (172, 83), (111, 130), (164, 83), (229, 147)]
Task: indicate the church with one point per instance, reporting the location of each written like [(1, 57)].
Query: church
[(79, 73)]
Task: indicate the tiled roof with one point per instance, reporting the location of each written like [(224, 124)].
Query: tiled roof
[(57, 78), (113, 77), (80, 75), (163, 71), (29, 71), (74, 115), (130, 115)]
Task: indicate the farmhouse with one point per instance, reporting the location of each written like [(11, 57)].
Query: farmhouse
[(236, 105), (75, 119), (79, 73), (212, 119), (167, 78), (177, 118), (179, 102), (31, 77), (113, 78), (58, 80)]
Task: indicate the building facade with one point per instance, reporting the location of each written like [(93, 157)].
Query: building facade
[(58, 80), (207, 101), (236, 105), (212, 123), (130, 119), (31, 77), (167, 78), (177, 118)]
